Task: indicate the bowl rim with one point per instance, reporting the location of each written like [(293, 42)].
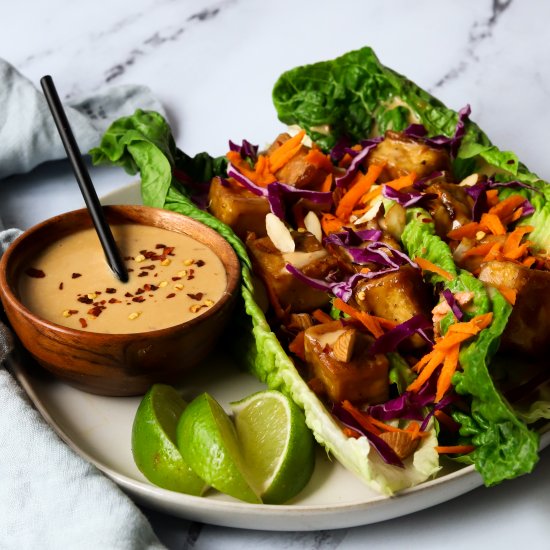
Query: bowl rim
[(232, 267)]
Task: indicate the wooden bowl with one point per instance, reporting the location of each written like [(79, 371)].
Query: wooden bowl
[(116, 364)]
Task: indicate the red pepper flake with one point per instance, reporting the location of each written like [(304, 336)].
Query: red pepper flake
[(130, 270), (176, 278), (76, 275), (142, 274), (85, 300), (190, 274), (83, 322), (147, 287), (138, 299), (60, 286), (36, 273), (127, 258), (73, 311), (200, 263), (150, 267), (128, 295), (198, 296), (110, 290), (168, 251), (95, 311), (171, 295), (114, 301), (160, 246), (140, 291)]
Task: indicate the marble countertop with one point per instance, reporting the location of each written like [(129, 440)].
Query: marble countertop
[(212, 65)]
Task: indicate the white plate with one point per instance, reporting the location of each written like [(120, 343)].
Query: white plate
[(99, 429)]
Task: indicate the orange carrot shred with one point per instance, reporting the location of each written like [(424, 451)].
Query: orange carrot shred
[(330, 223), (402, 182), (319, 159), (454, 449), (479, 250), (467, 230), (505, 208), (260, 175), (493, 223), (321, 316), (510, 294), (450, 365), (528, 262), (327, 184), (436, 357), (362, 419), (283, 154), (354, 194), (426, 265), (297, 346), (446, 421), (370, 322), (492, 197)]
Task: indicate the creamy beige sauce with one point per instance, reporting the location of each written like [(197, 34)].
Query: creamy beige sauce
[(172, 278)]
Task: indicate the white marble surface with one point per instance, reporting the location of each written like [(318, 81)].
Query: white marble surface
[(213, 65)]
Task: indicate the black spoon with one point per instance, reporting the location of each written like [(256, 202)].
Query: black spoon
[(87, 189)]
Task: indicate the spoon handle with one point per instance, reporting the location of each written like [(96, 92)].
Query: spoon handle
[(87, 189)]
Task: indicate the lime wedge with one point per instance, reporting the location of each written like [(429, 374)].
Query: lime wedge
[(277, 445), (208, 443), (154, 442)]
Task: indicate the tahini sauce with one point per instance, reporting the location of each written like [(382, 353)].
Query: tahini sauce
[(172, 278)]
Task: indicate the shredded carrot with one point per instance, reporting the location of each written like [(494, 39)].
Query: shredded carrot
[(362, 419), (354, 194), (493, 223), (283, 154), (331, 224), (370, 322), (402, 182), (413, 429), (327, 184), (450, 364), (297, 346), (528, 262), (426, 265), (510, 294), (479, 250), (492, 197), (494, 252), (321, 316), (260, 175), (513, 239), (454, 449), (319, 159), (468, 230), (505, 208), (446, 351), (348, 432)]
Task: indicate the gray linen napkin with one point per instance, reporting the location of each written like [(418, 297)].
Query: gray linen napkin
[(51, 498), (28, 136)]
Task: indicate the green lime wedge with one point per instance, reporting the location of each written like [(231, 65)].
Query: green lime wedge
[(278, 447), (208, 442), (154, 442)]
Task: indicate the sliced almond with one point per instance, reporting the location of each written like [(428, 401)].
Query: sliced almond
[(403, 444), (313, 225), (279, 234), (342, 349), (470, 180)]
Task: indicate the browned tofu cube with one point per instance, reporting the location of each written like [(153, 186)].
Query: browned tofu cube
[(310, 257), (528, 328), (397, 296), (362, 378), (298, 171), (451, 209), (402, 155), (238, 207)]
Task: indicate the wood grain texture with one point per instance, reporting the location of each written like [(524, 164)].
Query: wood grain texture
[(116, 364)]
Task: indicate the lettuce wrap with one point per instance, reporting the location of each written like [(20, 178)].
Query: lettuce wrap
[(354, 98)]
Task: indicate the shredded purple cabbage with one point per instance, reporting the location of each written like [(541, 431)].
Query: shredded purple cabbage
[(349, 237), (387, 454), (367, 145), (246, 150), (276, 191), (450, 299), (341, 147), (406, 199), (390, 341)]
